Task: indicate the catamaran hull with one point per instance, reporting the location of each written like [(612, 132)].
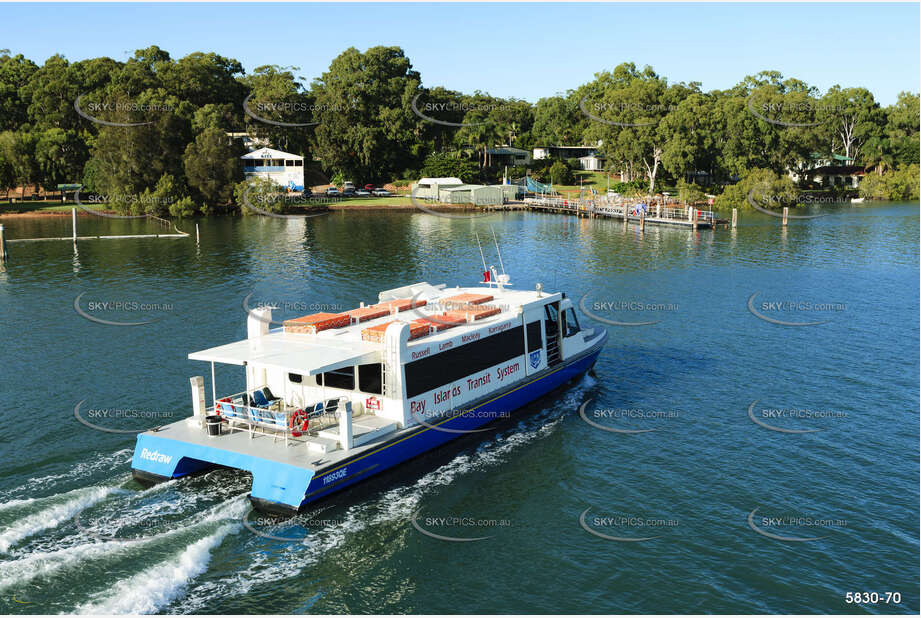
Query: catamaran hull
[(284, 488)]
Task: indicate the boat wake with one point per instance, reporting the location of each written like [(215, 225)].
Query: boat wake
[(105, 549), (77, 472), (76, 501), (151, 589), (391, 509)]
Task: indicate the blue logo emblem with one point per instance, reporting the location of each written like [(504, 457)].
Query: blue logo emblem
[(534, 359)]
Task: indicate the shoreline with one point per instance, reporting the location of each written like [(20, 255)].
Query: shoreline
[(396, 207), (400, 207)]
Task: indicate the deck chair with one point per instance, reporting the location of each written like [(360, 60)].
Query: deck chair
[(268, 395), (331, 406), (259, 399)]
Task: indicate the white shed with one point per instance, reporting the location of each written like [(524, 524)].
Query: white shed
[(427, 188), (592, 163)]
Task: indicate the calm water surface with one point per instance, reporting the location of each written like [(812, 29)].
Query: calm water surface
[(77, 534)]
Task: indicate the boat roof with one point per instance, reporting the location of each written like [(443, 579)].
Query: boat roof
[(332, 348), (292, 352)]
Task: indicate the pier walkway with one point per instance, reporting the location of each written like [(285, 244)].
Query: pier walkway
[(653, 211)]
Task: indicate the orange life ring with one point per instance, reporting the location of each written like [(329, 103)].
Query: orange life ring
[(299, 417)]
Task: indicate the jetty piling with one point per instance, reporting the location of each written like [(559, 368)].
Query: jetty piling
[(735, 218), (2, 244)]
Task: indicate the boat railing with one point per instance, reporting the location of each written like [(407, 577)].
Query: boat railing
[(277, 419)]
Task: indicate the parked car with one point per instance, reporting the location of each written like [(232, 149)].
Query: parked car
[(348, 192), (348, 186), (332, 192), (380, 192), (369, 187), (362, 193)]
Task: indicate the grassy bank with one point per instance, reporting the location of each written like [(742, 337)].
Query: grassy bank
[(51, 207)]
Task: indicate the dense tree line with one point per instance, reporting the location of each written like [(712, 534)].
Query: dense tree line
[(160, 127)]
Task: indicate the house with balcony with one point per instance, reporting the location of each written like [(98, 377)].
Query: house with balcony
[(283, 168)]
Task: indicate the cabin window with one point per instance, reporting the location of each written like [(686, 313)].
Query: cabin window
[(535, 341), (298, 163), (445, 367), (571, 325), (369, 378), (343, 378), (289, 162), (295, 378)]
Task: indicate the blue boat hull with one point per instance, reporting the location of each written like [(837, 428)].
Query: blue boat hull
[(433, 435)]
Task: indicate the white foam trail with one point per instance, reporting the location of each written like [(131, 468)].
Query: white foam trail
[(52, 516), (40, 564), (9, 504), (43, 563), (79, 470), (149, 590)]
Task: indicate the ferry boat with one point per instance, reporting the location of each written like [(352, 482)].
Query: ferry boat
[(332, 399)]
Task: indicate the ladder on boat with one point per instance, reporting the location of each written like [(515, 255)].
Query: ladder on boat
[(553, 351)]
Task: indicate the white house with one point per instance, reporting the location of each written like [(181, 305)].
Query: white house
[(564, 152), (284, 168)]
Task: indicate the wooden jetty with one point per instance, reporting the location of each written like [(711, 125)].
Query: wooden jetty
[(655, 211)]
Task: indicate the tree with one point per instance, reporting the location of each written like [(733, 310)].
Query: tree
[(363, 102), (60, 155), (766, 188), (277, 96), (627, 105), (692, 135), (902, 127), (212, 167), (18, 149), (132, 159), (255, 194), (898, 144), (558, 121), (896, 184), (560, 174), (689, 193), (50, 94), (15, 72), (440, 165), (201, 78), (849, 118), (7, 172)]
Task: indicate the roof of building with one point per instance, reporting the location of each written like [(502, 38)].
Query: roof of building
[(568, 147), (462, 188), (269, 153), (833, 157), (506, 150), (448, 180), (837, 169)]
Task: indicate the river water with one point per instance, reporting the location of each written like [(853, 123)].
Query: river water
[(741, 462)]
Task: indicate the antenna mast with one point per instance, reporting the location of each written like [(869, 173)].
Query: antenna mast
[(497, 248), (481, 250)]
